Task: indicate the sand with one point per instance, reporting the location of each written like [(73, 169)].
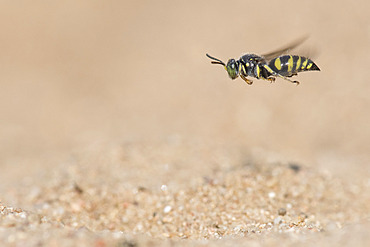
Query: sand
[(143, 195), (115, 129)]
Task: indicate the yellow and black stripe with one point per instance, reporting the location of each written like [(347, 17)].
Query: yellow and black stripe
[(288, 65)]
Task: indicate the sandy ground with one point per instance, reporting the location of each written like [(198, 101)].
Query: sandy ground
[(115, 129)]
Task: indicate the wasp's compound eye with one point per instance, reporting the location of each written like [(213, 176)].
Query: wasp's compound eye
[(231, 68)]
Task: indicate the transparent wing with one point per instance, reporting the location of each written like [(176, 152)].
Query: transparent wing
[(285, 49)]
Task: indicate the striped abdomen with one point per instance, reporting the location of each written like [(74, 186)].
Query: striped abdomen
[(288, 65)]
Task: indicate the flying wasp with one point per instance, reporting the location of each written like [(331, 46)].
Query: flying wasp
[(268, 66)]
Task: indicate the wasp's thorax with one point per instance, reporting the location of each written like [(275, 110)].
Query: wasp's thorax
[(232, 68)]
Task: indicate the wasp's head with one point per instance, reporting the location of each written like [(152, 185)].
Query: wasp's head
[(231, 67)]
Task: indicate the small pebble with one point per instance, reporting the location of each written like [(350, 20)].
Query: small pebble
[(295, 167), (167, 209), (282, 211), (164, 187), (272, 194), (278, 220)]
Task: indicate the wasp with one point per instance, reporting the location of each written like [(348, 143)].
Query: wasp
[(268, 66)]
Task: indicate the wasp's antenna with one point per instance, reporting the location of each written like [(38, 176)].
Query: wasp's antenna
[(217, 61)]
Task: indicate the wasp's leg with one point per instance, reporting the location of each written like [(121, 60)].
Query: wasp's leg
[(278, 75), (294, 74), (270, 79), (262, 73), (285, 78), (249, 82)]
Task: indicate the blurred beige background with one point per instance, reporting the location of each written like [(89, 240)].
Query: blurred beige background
[(75, 73)]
